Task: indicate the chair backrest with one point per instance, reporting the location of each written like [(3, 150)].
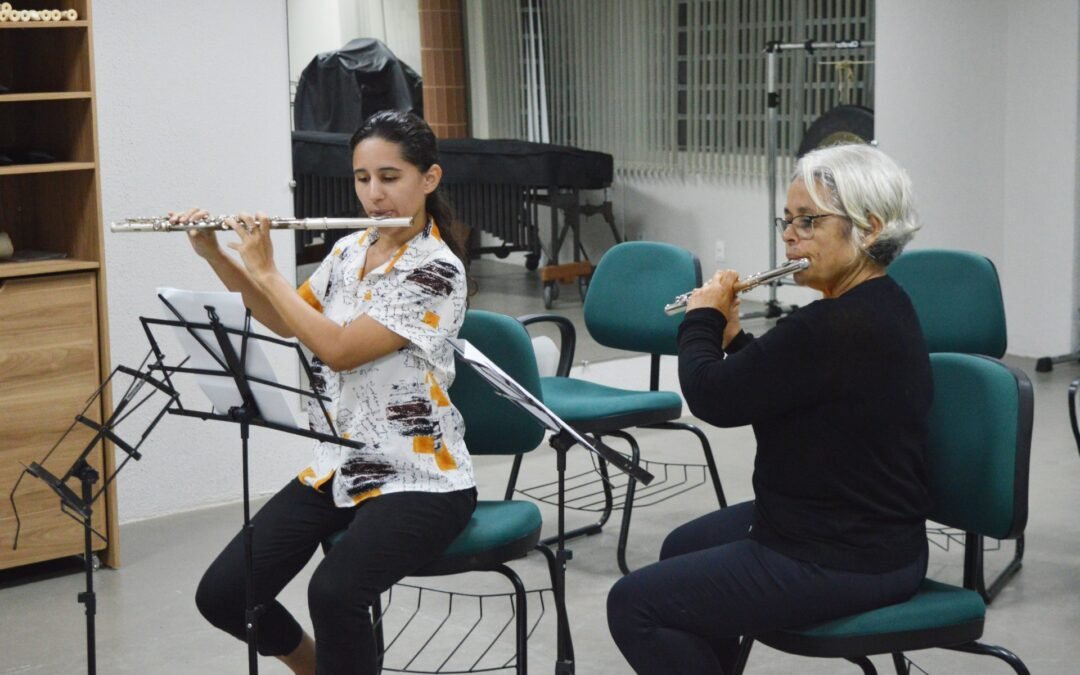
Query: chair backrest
[(494, 425), (624, 307), (979, 445), (957, 297)]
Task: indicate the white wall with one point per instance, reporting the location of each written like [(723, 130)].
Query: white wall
[(190, 112), (1041, 178), (976, 98)]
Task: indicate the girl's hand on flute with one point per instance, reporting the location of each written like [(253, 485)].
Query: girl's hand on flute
[(203, 241), (254, 247)]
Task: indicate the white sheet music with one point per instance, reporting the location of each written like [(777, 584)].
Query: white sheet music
[(222, 391), (507, 387)]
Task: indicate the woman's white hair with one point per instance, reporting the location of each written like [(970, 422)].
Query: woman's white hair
[(856, 181)]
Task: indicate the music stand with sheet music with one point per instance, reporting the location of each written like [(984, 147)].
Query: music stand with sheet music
[(235, 374), (562, 439), (79, 506)]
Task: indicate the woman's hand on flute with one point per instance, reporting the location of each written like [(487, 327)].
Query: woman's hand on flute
[(203, 241), (720, 294), (254, 247)]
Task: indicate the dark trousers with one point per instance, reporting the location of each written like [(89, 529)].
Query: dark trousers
[(386, 539), (713, 584)]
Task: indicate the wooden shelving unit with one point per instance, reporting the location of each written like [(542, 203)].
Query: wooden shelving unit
[(53, 331)]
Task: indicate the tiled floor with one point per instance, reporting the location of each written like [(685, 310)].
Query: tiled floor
[(147, 622)]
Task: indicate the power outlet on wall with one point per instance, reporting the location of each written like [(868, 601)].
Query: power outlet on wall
[(720, 252)]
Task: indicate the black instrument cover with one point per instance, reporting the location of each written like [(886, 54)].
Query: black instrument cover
[(340, 89)]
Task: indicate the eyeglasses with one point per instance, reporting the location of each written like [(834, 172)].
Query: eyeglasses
[(804, 225)]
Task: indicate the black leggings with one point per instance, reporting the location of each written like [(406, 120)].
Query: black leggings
[(388, 537), (713, 584)]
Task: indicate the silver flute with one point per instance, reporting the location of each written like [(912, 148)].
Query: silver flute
[(163, 224), (754, 280)]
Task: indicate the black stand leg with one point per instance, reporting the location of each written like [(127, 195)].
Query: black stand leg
[(87, 475), (232, 365), (564, 660), (251, 611)]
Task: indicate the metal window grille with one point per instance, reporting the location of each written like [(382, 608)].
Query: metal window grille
[(671, 86)]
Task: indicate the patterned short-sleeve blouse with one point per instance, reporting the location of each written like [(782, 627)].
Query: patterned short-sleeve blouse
[(413, 437)]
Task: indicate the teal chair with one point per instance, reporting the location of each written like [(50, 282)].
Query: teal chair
[(499, 531), (624, 309), (977, 460), (957, 297)]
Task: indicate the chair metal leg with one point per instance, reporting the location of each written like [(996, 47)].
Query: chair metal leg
[(377, 624), (564, 657), (605, 485), (521, 625), (628, 504), (744, 653), (710, 461), (997, 652), (974, 562), (747, 642), (900, 663), (989, 593), (1072, 412), (864, 663), (511, 484)]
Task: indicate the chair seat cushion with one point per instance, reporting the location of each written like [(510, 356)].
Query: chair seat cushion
[(497, 532), (588, 406), (938, 615)]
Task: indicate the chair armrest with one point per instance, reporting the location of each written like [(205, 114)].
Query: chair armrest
[(567, 338)]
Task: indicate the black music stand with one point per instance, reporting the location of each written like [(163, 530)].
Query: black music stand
[(218, 341), (562, 439), (79, 506)]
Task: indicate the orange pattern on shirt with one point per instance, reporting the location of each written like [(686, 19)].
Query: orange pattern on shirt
[(437, 394), (423, 445), (444, 459), (309, 296)]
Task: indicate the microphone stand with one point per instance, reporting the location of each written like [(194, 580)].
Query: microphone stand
[(773, 308)]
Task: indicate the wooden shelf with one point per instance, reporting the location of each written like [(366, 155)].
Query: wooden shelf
[(44, 96), (54, 337), (11, 270), (43, 24), (47, 167)]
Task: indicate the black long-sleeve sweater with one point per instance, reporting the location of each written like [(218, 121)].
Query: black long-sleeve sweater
[(838, 395)]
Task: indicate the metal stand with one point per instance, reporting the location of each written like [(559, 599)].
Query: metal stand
[(1046, 363), (562, 441), (80, 506), (564, 658), (580, 269), (87, 477), (563, 438), (773, 308), (233, 366)]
